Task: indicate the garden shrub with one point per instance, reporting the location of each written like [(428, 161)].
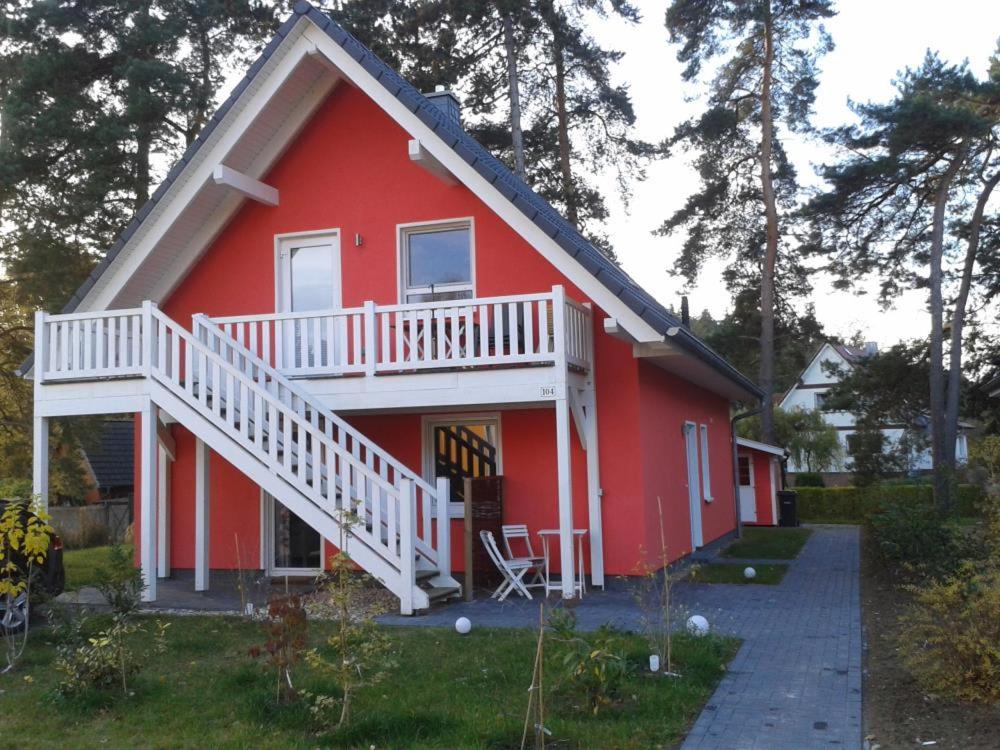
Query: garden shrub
[(12, 488), (857, 504), (950, 641), (120, 581), (809, 479), (913, 538), (104, 660), (594, 668), (285, 628)]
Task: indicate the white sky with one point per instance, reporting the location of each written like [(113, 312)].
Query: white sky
[(874, 40)]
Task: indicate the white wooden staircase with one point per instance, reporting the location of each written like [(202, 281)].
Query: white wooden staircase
[(277, 433)]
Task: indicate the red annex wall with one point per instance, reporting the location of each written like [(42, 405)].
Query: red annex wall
[(349, 170)]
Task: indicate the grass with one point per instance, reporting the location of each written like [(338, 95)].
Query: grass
[(724, 573), (82, 566), (768, 544), (447, 691)]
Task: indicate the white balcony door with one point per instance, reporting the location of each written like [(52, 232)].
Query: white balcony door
[(693, 483), (308, 280)]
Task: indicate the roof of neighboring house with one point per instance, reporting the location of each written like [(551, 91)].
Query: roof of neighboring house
[(853, 354), (533, 206), (992, 386), (113, 462), (755, 445)]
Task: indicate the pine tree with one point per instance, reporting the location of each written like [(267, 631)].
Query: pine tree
[(913, 194), (763, 55)]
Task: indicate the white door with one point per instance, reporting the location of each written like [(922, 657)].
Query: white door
[(291, 546), (748, 492), (694, 486), (308, 280)]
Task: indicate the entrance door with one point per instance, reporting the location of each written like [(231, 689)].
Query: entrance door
[(308, 280), (694, 487), (291, 546), (748, 492)]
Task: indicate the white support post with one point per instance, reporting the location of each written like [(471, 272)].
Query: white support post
[(594, 492), (202, 459), (163, 511), (40, 425), (147, 503), (407, 544), (371, 345), (444, 526), (567, 547), (40, 459), (148, 346)]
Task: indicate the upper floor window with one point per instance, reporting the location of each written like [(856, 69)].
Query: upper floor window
[(437, 262), (820, 400)]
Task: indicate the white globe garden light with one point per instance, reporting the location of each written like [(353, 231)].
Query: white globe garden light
[(697, 625), (463, 625), (749, 573)]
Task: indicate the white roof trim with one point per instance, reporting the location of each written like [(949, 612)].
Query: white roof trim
[(758, 446)]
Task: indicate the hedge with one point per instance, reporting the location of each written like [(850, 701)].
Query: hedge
[(855, 504)]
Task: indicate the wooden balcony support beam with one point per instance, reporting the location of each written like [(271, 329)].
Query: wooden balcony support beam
[(245, 185)]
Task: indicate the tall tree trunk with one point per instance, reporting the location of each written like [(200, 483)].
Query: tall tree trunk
[(771, 249), (143, 145), (513, 91), (943, 470), (562, 119), (958, 320)]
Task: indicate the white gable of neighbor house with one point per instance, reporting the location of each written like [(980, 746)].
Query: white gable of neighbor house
[(802, 396)]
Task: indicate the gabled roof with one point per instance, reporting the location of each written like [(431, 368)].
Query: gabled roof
[(515, 191), (756, 445), (113, 461)]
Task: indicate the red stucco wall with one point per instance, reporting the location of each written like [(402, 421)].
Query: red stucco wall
[(349, 170)]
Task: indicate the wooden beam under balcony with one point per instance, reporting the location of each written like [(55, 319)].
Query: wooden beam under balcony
[(245, 185), (424, 158)]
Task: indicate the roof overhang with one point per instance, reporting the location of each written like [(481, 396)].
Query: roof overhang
[(754, 445)]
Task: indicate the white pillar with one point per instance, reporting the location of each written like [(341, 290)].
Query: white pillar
[(202, 459), (567, 548), (163, 510), (147, 503), (40, 460), (594, 494), (443, 526), (407, 544)]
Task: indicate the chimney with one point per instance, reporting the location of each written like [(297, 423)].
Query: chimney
[(685, 312), (871, 348), (447, 102)]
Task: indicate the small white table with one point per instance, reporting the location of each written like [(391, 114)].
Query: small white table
[(580, 586)]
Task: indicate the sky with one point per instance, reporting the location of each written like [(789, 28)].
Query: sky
[(874, 40)]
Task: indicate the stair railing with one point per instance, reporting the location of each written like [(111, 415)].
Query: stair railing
[(281, 438), (391, 470)]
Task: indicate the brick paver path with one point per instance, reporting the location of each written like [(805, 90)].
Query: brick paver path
[(796, 681)]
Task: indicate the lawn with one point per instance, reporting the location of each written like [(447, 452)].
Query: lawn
[(82, 566), (446, 691), (768, 544), (726, 573)]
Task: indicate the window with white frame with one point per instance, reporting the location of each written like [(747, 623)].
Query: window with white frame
[(819, 400), (706, 475), (436, 262)]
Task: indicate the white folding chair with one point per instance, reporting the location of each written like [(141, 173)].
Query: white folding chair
[(513, 571), (518, 532)]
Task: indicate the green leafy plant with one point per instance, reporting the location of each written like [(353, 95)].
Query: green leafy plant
[(357, 653), (120, 581), (24, 542), (594, 668), (913, 539), (950, 641), (285, 627), (809, 479)]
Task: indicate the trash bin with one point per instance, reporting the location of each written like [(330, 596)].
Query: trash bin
[(787, 512)]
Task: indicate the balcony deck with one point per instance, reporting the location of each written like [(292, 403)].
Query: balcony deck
[(481, 351)]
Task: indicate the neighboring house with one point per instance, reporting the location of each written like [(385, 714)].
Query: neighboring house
[(758, 473), (338, 300), (810, 391), (111, 464)]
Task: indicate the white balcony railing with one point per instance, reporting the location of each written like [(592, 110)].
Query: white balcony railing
[(527, 329)]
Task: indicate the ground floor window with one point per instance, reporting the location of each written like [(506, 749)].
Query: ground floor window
[(460, 448), (290, 544)]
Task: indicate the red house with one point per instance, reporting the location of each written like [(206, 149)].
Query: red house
[(337, 300)]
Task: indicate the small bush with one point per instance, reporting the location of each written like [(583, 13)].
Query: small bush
[(914, 539), (951, 640), (809, 479), (594, 668), (13, 488), (120, 581)]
